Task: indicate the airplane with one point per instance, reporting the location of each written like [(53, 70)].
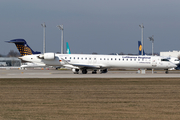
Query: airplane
[(174, 60), (24, 49), (86, 62)]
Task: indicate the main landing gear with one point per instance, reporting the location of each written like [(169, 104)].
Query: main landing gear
[(84, 71), (94, 72), (166, 71)]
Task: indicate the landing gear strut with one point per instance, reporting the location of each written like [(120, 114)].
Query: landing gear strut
[(103, 71), (84, 71), (94, 72), (167, 72)]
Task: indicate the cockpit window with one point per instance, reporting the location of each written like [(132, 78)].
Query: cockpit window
[(164, 60), (176, 60)]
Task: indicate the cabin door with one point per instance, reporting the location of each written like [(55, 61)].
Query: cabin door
[(154, 62)]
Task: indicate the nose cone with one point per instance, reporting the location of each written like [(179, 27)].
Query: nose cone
[(173, 65)]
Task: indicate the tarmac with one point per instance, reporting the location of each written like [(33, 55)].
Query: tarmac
[(52, 73)]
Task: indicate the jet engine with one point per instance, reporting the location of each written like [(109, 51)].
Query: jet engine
[(47, 56), (75, 71)]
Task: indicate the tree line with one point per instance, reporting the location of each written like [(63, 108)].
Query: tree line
[(11, 53)]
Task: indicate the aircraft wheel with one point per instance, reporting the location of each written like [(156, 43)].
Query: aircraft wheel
[(94, 72), (84, 71)]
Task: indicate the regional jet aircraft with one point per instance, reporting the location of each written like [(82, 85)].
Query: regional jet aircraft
[(85, 62)]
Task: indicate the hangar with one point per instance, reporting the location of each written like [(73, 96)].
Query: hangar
[(173, 53)]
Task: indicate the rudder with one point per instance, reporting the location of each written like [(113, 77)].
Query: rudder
[(140, 48), (23, 47)]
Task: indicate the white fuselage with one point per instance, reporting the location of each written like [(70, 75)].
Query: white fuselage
[(29, 64), (102, 61)]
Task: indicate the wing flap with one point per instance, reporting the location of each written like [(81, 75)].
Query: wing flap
[(79, 65)]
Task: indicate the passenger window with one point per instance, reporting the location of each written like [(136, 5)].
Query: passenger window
[(111, 59), (65, 57), (85, 58), (164, 60), (74, 58), (119, 59), (81, 58), (70, 58), (104, 58), (89, 58), (78, 58)]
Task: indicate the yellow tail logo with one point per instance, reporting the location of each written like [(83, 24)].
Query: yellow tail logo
[(140, 47)]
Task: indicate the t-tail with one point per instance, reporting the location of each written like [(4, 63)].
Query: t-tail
[(140, 48), (23, 47), (67, 48)]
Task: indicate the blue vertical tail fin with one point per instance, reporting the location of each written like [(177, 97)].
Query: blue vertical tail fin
[(67, 48), (140, 48), (23, 47)]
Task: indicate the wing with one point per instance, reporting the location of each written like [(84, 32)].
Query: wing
[(80, 65)]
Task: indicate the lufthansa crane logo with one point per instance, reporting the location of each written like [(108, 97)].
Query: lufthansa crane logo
[(140, 47)]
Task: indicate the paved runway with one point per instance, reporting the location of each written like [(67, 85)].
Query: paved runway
[(37, 73)]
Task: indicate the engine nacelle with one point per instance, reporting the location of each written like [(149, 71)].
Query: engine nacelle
[(75, 71), (47, 56)]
